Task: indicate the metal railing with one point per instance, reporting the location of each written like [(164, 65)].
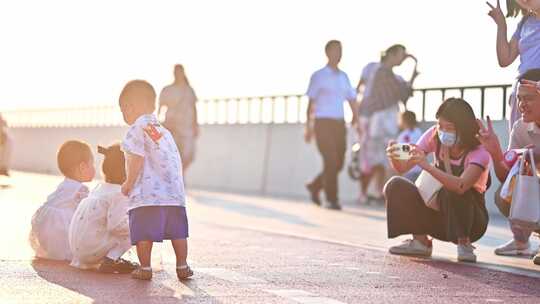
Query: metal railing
[(265, 109)]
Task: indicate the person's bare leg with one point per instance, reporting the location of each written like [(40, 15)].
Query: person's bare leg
[(464, 241), (423, 239), (144, 252), (181, 251)]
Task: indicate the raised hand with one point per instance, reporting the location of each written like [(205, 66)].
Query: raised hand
[(488, 138), (497, 14)]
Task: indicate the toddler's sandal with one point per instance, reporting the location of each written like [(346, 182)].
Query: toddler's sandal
[(184, 273), (142, 274)]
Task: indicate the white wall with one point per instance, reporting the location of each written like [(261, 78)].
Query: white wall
[(259, 159)]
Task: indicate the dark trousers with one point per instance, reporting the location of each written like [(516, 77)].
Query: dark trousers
[(331, 136), (460, 215)]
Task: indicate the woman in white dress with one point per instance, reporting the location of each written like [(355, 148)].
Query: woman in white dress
[(99, 231), (180, 100)]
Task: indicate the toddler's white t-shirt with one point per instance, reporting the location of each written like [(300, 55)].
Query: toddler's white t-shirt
[(160, 182)]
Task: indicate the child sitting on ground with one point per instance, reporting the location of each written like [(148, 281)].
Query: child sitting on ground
[(410, 134), (99, 230), (50, 223), (154, 181)]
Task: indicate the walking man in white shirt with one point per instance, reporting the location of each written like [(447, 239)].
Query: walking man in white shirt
[(328, 89)]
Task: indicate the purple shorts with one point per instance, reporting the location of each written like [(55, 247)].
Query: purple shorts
[(158, 223)]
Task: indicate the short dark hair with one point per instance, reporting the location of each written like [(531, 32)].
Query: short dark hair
[(391, 50), (514, 10), (460, 113), (330, 44), (409, 117), (532, 75), (114, 167), (71, 154), (139, 91)]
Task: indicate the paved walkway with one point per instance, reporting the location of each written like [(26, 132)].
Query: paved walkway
[(247, 249)]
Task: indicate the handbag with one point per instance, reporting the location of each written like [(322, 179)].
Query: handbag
[(429, 187), (525, 207)]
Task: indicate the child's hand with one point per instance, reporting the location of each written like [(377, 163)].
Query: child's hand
[(496, 14), (126, 189)]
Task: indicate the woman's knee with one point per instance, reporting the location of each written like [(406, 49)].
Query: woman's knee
[(396, 184)]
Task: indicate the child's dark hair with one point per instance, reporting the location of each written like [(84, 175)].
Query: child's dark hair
[(70, 155), (391, 50), (514, 10), (114, 168), (331, 44), (460, 113), (409, 118)]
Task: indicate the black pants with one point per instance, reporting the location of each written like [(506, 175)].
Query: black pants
[(460, 215), (331, 136)]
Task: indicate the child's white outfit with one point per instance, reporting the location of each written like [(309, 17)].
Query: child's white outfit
[(100, 227), (157, 202), (50, 224)]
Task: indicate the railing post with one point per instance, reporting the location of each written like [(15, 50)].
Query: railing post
[(273, 109), (249, 101), (286, 113), (505, 92), (423, 105), (482, 102)]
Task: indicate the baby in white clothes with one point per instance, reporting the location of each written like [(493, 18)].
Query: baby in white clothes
[(50, 224), (99, 231)]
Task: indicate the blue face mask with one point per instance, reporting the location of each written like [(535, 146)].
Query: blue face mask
[(447, 139)]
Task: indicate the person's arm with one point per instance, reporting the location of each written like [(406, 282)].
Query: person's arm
[(490, 141), (196, 116), (309, 132), (360, 86), (457, 184), (354, 108), (134, 165), (312, 92), (507, 52)]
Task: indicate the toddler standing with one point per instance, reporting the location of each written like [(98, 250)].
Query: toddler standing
[(154, 181)]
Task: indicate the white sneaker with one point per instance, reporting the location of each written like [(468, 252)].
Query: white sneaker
[(412, 248), (466, 253), (512, 248)]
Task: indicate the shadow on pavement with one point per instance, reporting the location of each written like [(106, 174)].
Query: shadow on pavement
[(105, 288), (250, 210), (492, 278)]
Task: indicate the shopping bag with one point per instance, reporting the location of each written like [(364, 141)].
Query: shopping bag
[(429, 187), (525, 208), (509, 184)]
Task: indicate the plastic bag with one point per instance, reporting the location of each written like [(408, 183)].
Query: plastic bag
[(507, 189)]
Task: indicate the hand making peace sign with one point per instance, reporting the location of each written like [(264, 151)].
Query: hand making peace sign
[(497, 14), (488, 138)]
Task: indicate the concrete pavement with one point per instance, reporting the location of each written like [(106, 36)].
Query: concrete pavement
[(247, 249)]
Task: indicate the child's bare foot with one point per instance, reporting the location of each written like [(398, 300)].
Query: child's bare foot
[(184, 272), (142, 274)]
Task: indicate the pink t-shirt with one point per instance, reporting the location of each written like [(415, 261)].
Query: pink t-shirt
[(479, 157)]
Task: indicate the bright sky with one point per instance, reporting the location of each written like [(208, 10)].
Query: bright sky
[(74, 53)]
